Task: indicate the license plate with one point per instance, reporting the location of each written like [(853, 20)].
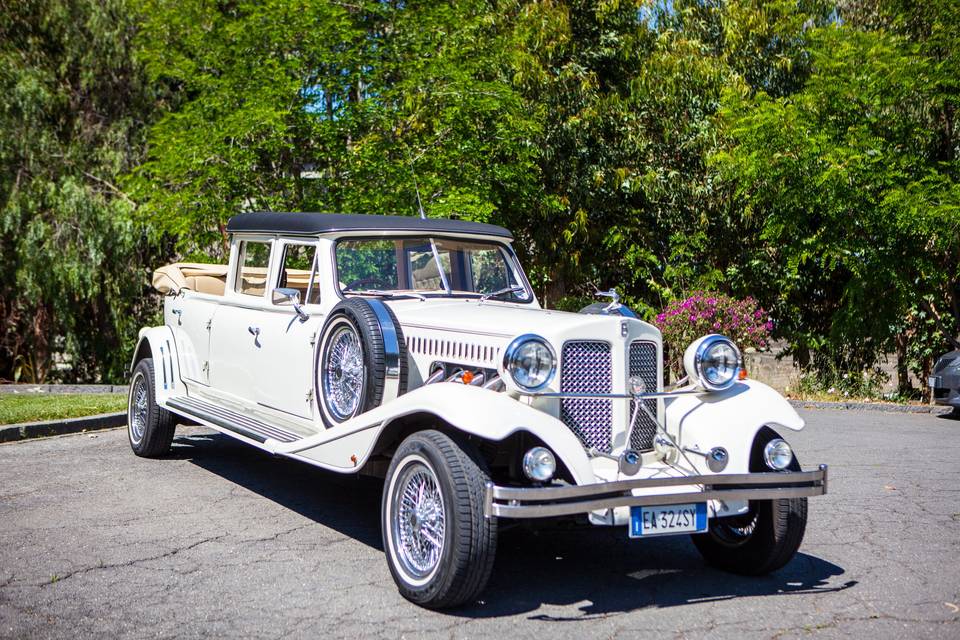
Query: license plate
[(667, 520), (933, 381)]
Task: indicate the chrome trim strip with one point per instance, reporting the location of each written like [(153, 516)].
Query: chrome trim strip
[(163, 365), (391, 350), (612, 396), (514, 502), (173, 381)]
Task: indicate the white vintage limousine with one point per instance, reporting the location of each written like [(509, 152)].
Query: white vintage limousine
[(415, 349)]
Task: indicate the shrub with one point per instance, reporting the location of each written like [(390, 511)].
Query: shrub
[(705, 312)]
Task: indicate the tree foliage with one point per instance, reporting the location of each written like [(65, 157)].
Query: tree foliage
[(803, 152), (850, 185), (72, 109)]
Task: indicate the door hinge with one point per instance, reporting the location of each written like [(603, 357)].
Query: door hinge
[(313, 341), (310, 397), (206, 367), (209, 323)]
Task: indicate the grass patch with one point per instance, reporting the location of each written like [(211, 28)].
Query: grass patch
[(21, 407)]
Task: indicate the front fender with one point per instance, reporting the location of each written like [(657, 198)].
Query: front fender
[(158, 343), (728, 419), (486, 414)]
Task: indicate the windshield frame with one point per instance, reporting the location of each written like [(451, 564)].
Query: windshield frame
[(510, 255)]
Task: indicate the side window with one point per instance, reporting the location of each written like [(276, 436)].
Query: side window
[(299, 272), (254, 261)]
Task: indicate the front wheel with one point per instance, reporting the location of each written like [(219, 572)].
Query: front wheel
[(763, 539), (758, 542), (440, 548)]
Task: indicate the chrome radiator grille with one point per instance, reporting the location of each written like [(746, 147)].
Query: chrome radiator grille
[(643, 363), (586, 367)]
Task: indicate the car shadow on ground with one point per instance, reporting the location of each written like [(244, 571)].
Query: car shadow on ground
[(347, 504), (553, 562)]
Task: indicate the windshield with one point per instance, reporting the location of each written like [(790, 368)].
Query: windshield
[(470, 268)]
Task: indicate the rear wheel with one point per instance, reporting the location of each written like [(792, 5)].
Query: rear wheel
[(440, 548), (762, 540), (149, 426)]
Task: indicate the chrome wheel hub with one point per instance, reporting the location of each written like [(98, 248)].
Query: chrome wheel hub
[(418, 520), (138, 409), (343, 374), (737, 530)]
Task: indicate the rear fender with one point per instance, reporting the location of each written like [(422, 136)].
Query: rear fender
[(158, 343), (728, 419)]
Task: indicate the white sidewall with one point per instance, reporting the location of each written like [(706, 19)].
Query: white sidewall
[(407, 460)]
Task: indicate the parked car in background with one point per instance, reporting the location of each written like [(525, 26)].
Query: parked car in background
[(415, 349), (945, 381)]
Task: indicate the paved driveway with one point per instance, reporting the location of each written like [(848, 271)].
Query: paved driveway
[(222, 541)]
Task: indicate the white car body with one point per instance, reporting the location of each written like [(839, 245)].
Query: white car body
[(248, 367)]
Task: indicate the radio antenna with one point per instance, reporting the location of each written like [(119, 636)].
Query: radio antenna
[(416, 188), (433, 244)]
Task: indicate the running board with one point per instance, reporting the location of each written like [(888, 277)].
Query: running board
[(230, 420)]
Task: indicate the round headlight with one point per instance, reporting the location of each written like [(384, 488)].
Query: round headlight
[(539, 464), (777, 454), (713, 362), (531, 362)]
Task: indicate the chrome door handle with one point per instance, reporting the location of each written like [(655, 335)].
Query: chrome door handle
[(179, 314), (254, 331)]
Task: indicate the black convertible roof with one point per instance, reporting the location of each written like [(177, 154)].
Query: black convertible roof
[(317, 223)]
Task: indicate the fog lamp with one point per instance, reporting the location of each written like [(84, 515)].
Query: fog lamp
[(539, 464), (717, 459), (777, 454), (630, 462)]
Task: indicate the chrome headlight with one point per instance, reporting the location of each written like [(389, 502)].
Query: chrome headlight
[(531, 362), (539, 464), (712, 362), (777, 454)]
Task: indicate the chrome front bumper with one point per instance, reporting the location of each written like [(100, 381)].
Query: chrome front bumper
[(547, 502)]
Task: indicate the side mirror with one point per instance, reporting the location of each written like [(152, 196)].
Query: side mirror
[(283, 296)]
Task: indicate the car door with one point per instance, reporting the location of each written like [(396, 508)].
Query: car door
[(235, 340), (192, 317), (285, 357)]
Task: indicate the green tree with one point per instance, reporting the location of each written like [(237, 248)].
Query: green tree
[(302, 105), (72, 112), (852, 193)]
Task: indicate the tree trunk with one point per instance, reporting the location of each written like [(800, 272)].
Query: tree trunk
[(903, 374), (925, 391), (555, 289)]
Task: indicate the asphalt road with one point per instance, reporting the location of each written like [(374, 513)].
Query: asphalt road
[(219, 540)]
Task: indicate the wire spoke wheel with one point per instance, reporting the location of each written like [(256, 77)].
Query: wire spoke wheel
[(737, 530), (343, 375), (138, 409), (150, 427), (418, 520), (439, 544)]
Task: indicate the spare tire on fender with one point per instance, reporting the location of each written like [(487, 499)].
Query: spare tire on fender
[(361, 361)]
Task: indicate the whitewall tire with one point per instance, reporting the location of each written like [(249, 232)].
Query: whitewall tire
[(440, 548)]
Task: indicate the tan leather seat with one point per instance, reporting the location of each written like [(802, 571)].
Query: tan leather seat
[(207, 284), (204, 278)]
